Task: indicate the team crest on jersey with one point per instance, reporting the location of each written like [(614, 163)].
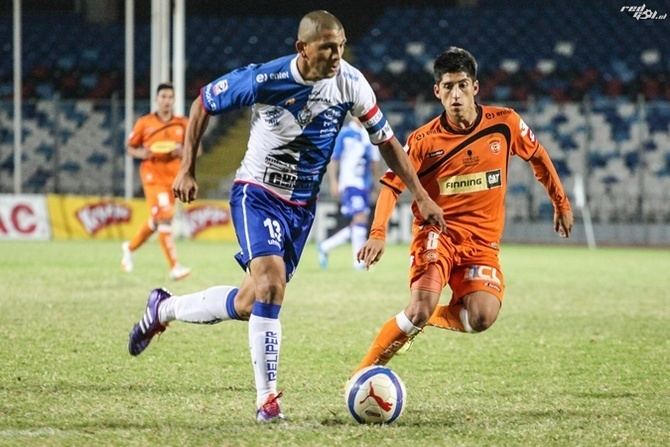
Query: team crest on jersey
[(494, 146), (430, 256), (304, 117)]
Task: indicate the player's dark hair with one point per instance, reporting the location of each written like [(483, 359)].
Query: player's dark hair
[(455, 60), (164, 86)]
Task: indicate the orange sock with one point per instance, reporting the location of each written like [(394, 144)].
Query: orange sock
[(389, 340), (143, 233), (167, 245), (447, 317)]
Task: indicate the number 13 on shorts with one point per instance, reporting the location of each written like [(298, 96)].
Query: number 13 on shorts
[(274, 231)]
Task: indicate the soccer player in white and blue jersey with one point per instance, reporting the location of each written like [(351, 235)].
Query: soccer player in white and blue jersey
[(298, 106), (354, 163)]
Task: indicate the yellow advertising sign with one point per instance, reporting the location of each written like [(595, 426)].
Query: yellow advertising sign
[(208, 220), (93, 217)]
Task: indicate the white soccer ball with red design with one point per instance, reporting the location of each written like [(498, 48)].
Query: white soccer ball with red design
[(375, 395)]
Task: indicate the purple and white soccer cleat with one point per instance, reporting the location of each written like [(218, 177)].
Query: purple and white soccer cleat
[(141, 334), (270, 411)]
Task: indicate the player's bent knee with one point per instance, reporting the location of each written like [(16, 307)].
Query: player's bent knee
[(482, 322), (418, 314), (482, 310), (243, 312), (269, 279), (421, 306), (270, 292)]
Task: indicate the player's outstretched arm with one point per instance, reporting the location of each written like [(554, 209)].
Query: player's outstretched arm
[(185, 187), (373, 249), (397, 160), (546, 174)]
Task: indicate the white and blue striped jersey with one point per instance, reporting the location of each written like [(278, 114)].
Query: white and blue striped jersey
[(294, 122), (356, 155)]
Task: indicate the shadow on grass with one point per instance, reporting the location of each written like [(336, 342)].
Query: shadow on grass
[(69, 387), (605, 394)]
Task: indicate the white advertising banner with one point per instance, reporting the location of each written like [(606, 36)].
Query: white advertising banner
[(24, 216)]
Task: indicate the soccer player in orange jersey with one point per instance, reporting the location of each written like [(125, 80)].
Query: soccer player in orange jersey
[(461, 158), (157, 140)]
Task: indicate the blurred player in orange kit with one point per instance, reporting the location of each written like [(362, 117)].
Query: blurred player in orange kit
[(157, 140), (461, 158)]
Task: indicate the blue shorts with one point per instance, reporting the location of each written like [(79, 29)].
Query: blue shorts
[(266, 225), (354, 201)]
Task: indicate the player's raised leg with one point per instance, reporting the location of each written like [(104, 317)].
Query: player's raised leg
[(209, 306)]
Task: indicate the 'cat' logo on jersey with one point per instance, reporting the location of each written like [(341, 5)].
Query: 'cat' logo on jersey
[(493, 178)]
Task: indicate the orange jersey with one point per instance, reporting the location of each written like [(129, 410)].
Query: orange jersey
[(465, 171), (161, 138)]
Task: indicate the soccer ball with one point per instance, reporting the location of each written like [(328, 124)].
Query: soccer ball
[(375, 395)]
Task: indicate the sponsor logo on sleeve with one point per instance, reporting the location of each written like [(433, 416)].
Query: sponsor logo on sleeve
[(463, 184), (220, 87), (209, 99), (525, 130)]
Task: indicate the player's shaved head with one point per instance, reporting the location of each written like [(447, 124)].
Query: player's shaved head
[(314, 22)]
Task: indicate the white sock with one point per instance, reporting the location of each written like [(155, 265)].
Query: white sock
[(264, 343), (206, 306), (336, 239), (359, 235), (406, 325), (465, 319)]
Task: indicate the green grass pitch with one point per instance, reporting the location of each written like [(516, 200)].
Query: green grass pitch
[(580, 354)]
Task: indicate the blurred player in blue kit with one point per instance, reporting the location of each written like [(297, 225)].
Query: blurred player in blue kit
[(354, 164), (299, 103)]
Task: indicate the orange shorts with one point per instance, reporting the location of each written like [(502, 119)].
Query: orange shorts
[(160, 201), (157, 177), (466, 268)]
